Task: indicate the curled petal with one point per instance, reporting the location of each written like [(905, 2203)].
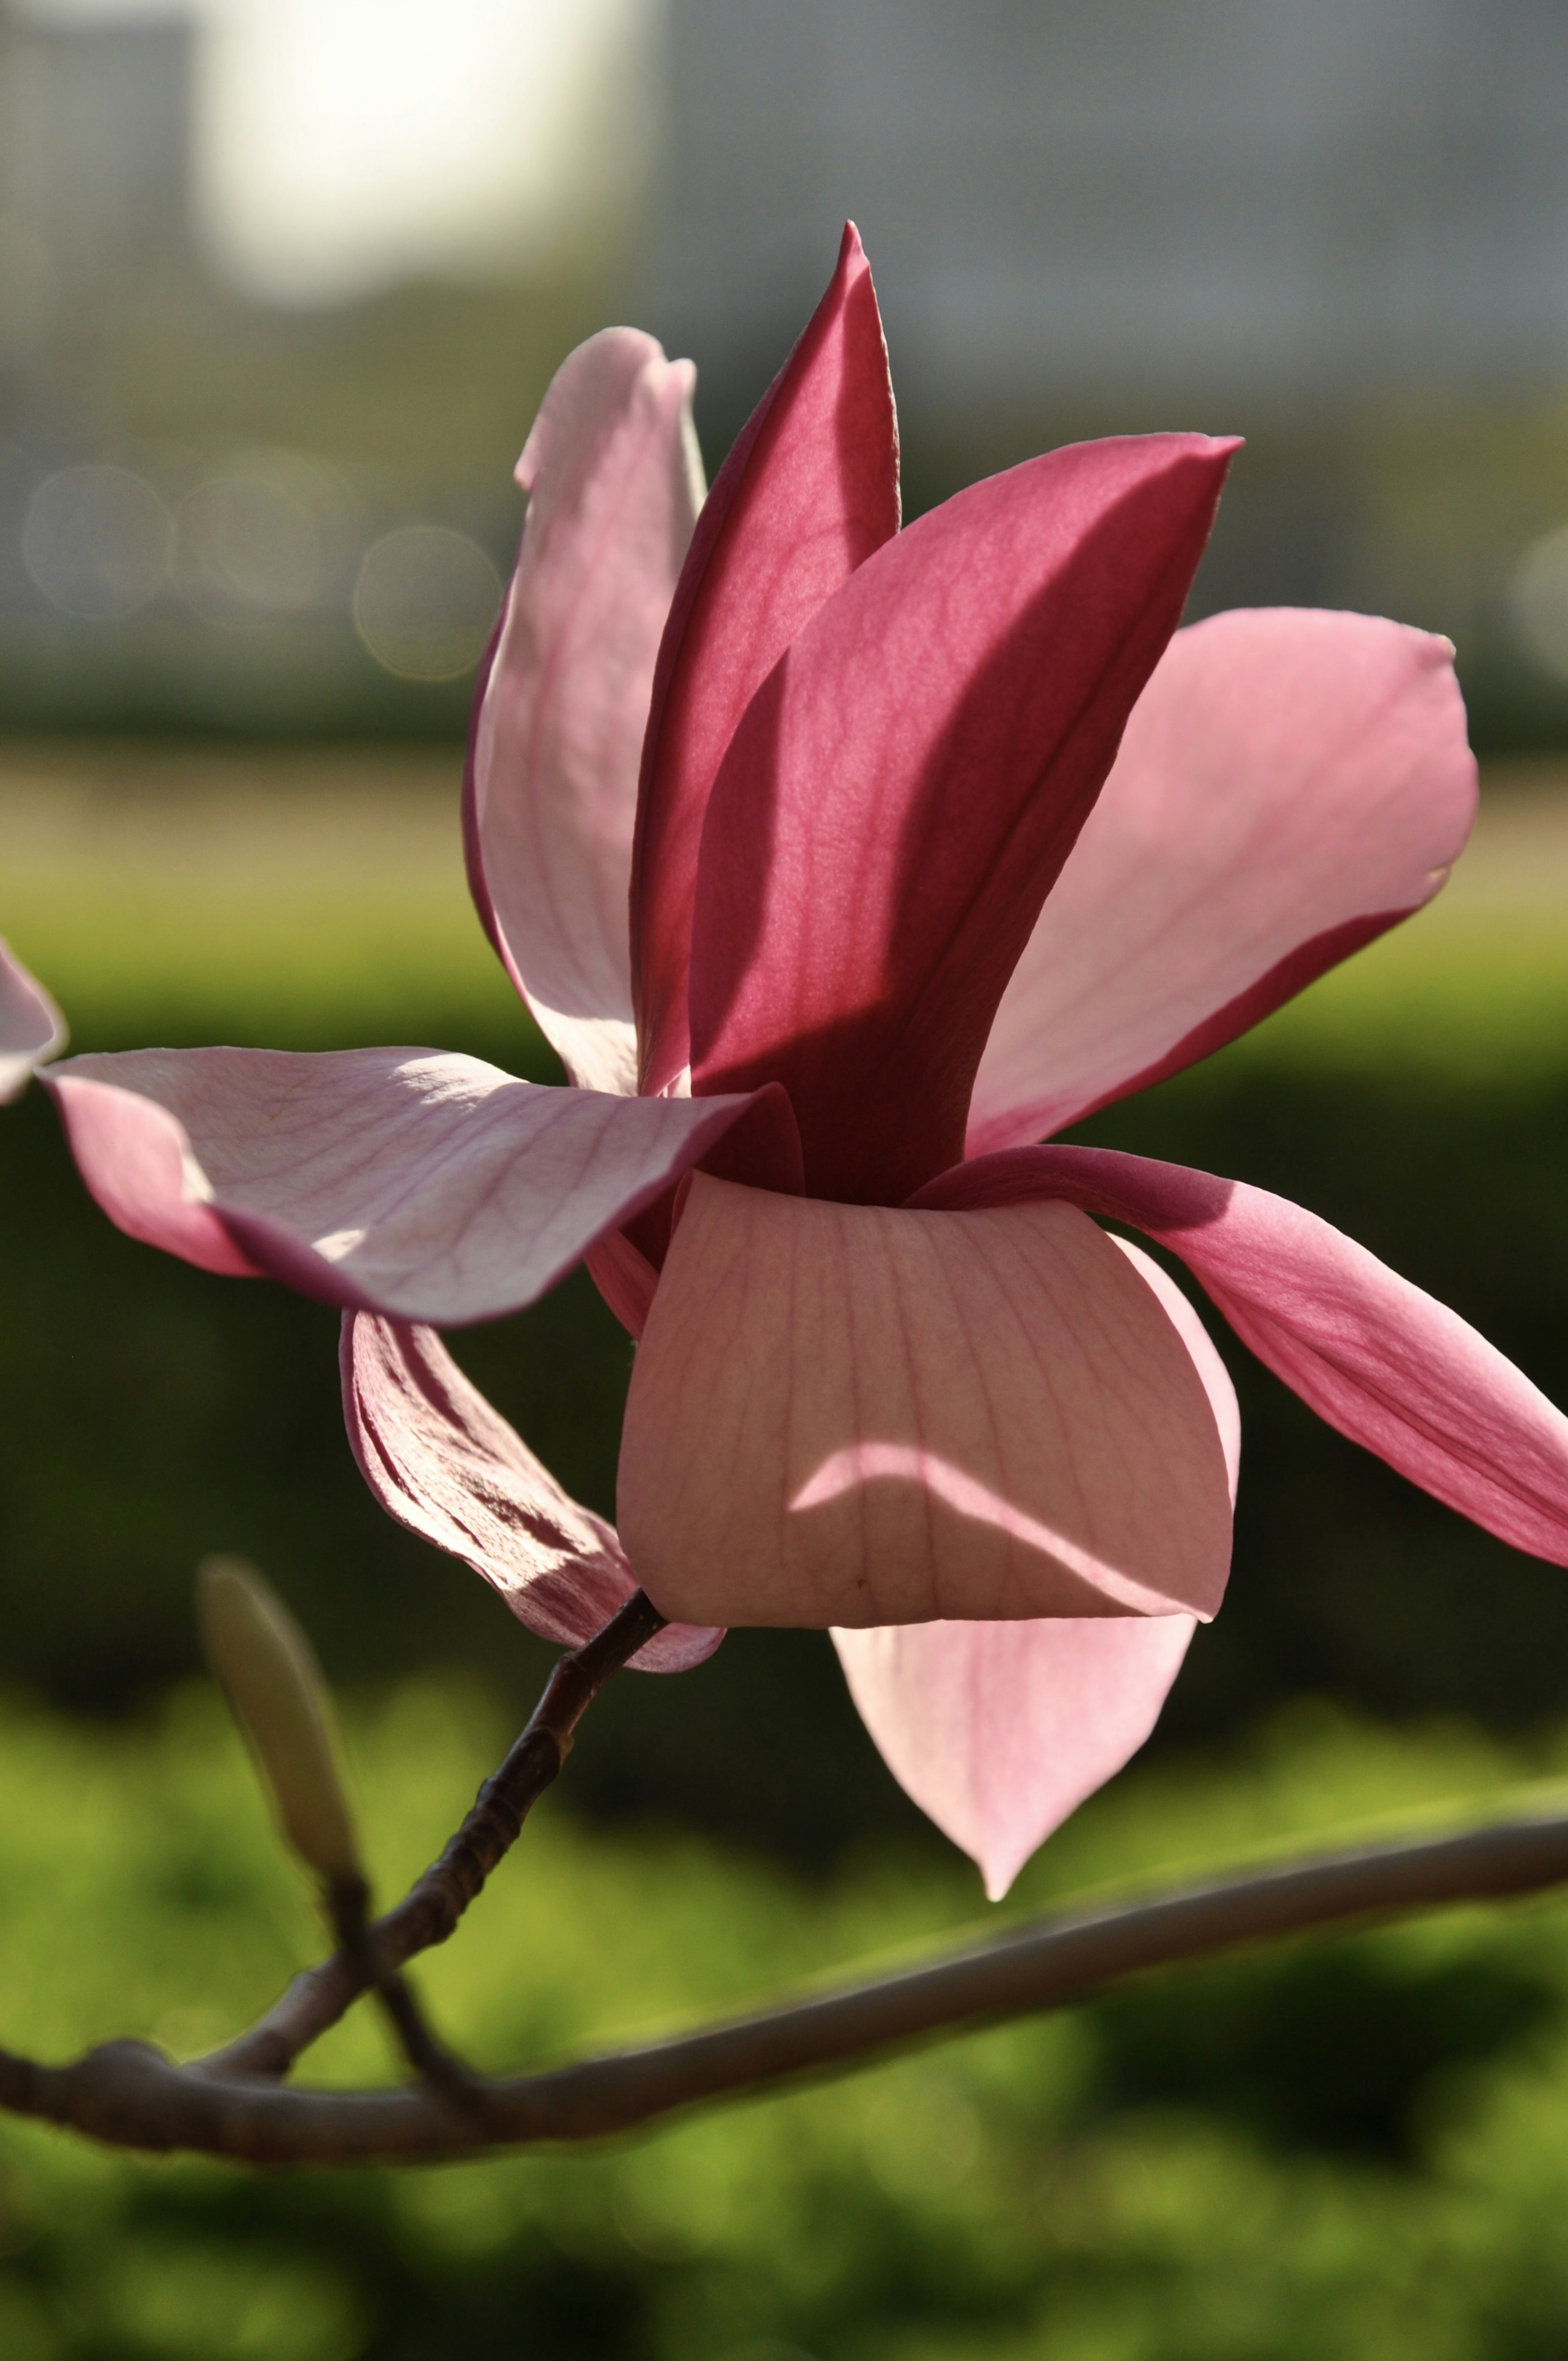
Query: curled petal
[(905, 785), (999, 1731), (847, 1414), (1384, 1363), (1290, 785), (426, 1186), (31, 1026), (614, 484), (810, 489), (447, 1465)]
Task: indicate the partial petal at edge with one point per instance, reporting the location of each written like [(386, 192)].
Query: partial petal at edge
[(31, 1026)]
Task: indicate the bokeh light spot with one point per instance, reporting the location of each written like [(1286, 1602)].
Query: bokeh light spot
[(424, 602), (1538, 598), (98, 542)]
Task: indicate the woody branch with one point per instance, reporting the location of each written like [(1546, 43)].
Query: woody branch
[(236, 2104)]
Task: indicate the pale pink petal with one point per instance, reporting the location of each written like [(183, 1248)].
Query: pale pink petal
[(999, 1731), (1290, 785), (447, 1465), (810, 489), (849, 1414), (31, 1026), (427, 1186), (1378, 1359), (905, 785), (614, 484)]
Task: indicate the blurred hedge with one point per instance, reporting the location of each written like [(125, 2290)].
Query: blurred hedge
[(1347, 2152)]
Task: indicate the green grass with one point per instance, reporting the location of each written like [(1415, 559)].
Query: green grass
[(1114, 2182)]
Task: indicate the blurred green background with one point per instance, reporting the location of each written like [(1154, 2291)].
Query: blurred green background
[(1349, 2148)]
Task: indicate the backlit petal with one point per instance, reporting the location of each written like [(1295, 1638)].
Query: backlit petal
[(847, 1414), (31, 1026), (905, 785), (1290, 785), (808, 491), (447, 1465), (408, 1182), (614, 485), (999, 1731), (1378, 1359)]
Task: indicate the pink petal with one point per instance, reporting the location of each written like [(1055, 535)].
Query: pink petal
[(1290, 785), (31, 1026), (999, 1731), (808, 491), (614, 484), (407, 1182), (847, 1414), (906, 785), (1384, 1363), (447, 1465)]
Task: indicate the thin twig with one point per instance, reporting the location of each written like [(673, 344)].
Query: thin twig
[(348, 1907), (131, 2096), (434, 1905)]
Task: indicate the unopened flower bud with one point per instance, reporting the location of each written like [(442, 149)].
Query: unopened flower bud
[(268, 1670)]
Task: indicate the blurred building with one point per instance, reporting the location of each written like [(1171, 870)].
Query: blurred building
[(94, 193), (215, 510), (1283, 198)]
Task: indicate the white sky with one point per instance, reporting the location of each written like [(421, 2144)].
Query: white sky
[(342, 142)]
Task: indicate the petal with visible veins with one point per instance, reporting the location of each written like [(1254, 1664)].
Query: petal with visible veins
[(999, 1731), (1290, 785), (614, 485), (847, 1414), (31, 1026), (1386, 1364), (430, 1187), (443, 1463), (905, 785), (808, 491)]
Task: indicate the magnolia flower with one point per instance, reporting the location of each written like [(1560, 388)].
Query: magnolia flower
[(31, 1026), (843, 865)]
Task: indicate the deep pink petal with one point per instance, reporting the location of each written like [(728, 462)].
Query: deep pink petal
[(905, 788), (1378, 1359), (31, 1026), (999, 1731), (614, 484), (849, 1414), (447, 1465), (408, 1182), (1290, 785), (808, 491)]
